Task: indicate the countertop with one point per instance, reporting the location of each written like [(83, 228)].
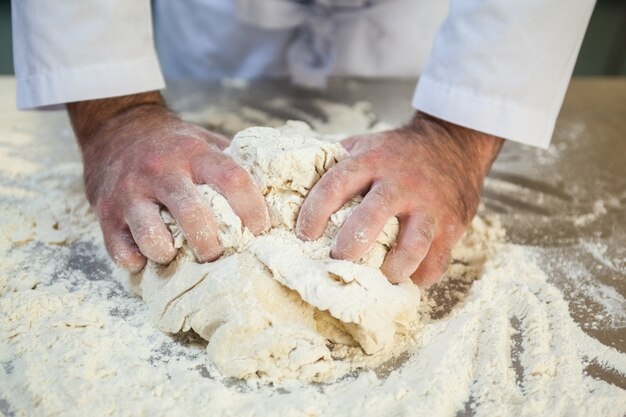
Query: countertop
[(568, 202)]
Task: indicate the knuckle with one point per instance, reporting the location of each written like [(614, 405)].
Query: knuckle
[(371, 158), (145, 232), (349, 166), (330, 186), (424, 233), (342, 171), (195, 147), (190, 141), (369, 217), (153, 164), (233, 176), (126, 184), (386, 191), (411, 248), (185, 203)]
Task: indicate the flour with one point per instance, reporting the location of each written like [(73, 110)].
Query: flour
[(496, 338), (257, 328), (598, 210)]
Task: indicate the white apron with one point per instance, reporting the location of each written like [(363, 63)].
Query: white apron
[(305, 40)]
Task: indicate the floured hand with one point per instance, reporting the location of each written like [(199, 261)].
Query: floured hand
[(139, 157), (428, 174)]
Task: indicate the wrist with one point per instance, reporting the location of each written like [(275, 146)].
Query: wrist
[(89, 117), (459, 157), (481, 148)]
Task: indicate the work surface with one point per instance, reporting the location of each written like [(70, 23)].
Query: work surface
[(567, 202)]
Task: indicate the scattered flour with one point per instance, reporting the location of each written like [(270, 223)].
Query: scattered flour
[(496, 336), (598, 210)]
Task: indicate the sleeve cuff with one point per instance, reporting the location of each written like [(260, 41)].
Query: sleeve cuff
[(88, 83), (484, 114)]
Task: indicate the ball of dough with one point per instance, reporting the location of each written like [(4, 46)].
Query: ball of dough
[(274, 306)]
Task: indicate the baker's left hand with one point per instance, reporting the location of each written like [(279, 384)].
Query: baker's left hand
[(429, 174)]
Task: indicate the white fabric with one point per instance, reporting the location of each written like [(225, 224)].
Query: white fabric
[(497, 66), (206, 39), (504, 69), (71, 50)]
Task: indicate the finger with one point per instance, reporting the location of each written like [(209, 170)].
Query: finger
[(348, 143), (412, 245), (434, 265), (360, 230), (345, 180), (122, 248), (212, 138), (194, 216), (235, 184), (150, 233), (360, 144)]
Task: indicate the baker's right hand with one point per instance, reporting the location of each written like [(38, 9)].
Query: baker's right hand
[(139, 157)]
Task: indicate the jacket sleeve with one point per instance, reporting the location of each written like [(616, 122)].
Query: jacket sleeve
[(503, 67), (72, 50)]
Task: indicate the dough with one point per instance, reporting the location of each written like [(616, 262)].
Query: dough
[(273, 306)]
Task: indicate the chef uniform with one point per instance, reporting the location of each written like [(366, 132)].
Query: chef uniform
[(496, 66)]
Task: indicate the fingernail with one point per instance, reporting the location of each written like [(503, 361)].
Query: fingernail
[(208, 255), (135, 267), (132, 261), (394, 275), (344, 254), (167, 257), (300, 230), (398, 279), (425, 282)]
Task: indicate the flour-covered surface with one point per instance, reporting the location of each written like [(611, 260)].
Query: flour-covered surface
[(541, 332)]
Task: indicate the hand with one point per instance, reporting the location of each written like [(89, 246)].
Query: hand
[(429, 174), (138, 157)]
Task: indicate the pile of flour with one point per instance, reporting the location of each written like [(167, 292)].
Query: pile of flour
[(274, 306)]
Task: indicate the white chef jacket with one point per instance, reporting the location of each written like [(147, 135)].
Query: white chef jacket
[(496, 66)]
